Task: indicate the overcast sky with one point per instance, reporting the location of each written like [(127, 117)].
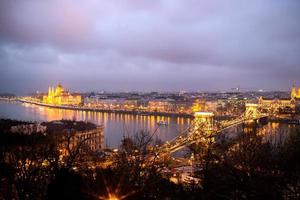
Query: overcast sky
[(149, 45)]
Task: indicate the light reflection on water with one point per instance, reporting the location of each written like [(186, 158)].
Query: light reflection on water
[(277, 133), (115, 124)]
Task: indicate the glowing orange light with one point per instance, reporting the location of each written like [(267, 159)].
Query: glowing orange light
[(112, 197)]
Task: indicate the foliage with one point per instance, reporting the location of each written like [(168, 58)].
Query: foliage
[(250, 167)]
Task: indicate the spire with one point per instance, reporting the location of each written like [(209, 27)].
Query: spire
[(294, 91), (293, 85)]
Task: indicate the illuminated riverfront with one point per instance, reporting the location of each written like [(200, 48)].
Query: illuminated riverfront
[(144, 129), (154, 100), (127, 115), (116, 125), (120, 133)]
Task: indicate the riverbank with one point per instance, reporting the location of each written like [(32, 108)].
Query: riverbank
[(285, 121), (116, 125), (133, 112), (295, 119)]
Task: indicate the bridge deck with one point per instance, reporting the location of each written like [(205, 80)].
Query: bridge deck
[(196, 132)]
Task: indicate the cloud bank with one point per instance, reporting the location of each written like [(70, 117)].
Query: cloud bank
[(149, 45)]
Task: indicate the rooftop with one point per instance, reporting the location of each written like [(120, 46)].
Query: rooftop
[(53, 126)]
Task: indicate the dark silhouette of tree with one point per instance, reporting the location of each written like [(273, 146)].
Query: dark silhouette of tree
[(67, 184), (136, 172), (28, 163), (250, 166)]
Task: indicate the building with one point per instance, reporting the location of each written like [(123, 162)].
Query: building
[(163, 105), (59, 96), (198, 105), (211, 106), (295, 93), (184, 107), (282, 104), (75, 133), (276, 105), (29, 129), (93, 139), (131, 104)]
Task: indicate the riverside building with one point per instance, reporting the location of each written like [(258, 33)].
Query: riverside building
[(60, 96)]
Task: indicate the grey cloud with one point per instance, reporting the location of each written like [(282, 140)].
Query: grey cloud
[(139, 38)]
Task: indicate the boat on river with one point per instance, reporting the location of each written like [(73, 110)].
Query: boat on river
[(162, 123)]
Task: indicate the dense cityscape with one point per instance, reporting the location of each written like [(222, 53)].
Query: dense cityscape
[(162, 100), (176, 104), (79, 146)]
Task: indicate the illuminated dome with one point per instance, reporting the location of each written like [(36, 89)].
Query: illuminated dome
[(59, 90), (58, 96), (59, 86), (295, 93)]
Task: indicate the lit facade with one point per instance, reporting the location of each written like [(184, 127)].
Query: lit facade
[(92, 139), (160, 106), (59, 96), (295, 93), (112, 104), (198, 105), (281, 104)]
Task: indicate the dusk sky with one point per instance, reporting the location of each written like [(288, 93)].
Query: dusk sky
[(149, 45)]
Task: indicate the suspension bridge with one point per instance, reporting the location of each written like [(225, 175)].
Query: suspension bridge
[(204, 127)]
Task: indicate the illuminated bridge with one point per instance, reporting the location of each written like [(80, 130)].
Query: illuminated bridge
[(204, 128)]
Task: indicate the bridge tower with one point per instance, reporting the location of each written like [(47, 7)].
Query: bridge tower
[(204, 120), (251, 111)]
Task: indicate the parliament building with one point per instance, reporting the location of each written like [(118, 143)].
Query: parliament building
[(295, 93), (60, 96)]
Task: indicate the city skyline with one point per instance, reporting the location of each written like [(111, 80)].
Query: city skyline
[(142, 46)]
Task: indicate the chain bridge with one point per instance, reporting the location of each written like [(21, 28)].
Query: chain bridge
[(204, 127)]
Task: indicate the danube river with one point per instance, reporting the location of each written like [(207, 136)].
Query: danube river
[(115, 125)]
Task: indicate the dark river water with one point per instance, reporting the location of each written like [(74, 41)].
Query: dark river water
[(117, 125)]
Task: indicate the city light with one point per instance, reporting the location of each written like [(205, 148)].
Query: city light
[(164, 99)]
